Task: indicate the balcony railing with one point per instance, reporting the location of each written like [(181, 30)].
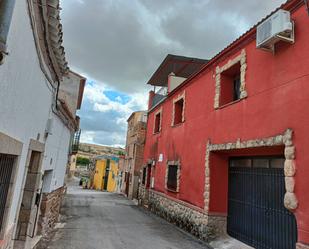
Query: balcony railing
[(75, 142), (159, 96)]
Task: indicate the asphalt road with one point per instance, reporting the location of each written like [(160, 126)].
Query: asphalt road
[(97, 220)]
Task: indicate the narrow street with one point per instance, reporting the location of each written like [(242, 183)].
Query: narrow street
[(101, 220)]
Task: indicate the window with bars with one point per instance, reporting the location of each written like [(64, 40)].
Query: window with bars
[(6, 168)]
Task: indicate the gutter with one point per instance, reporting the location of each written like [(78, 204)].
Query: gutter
[(307, 6)]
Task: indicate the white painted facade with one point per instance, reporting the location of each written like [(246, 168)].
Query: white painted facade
[(27, 100), (56, 154), (23, 88)]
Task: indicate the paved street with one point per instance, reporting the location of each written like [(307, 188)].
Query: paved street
[(96, 220)]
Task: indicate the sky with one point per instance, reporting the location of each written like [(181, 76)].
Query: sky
[(118, 44)]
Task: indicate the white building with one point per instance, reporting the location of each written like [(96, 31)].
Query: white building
[(38, 100)]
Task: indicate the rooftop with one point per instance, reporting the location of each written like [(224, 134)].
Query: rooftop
[(180, 65)]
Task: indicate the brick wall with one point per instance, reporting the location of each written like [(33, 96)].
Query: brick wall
[(50, 208)]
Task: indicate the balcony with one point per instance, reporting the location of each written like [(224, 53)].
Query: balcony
[(159, 96), (75, 142)]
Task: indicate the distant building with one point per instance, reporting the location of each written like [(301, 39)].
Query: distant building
[(105, 175), (91, 151), (134, 153)]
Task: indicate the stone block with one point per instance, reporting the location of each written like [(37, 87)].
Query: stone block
[(289, 167), (302, 246), (27, 199), (33, 180), (290, 201), (289, 152), (289, 184), (24, 215)]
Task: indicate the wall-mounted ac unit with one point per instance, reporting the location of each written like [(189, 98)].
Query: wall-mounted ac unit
[(278, 27)]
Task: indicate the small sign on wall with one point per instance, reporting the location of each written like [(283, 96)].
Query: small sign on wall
[(160, 158)]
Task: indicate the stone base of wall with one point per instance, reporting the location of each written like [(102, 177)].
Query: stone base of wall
[(143, 195), (301, 246), (50, 209), (185, 216), (217, 226)]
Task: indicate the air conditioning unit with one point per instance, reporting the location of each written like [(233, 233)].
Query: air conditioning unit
[(278, 27)]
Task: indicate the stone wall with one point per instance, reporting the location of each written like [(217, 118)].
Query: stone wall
[(301, 246), (142, 195), (186, 216), (50, 208)]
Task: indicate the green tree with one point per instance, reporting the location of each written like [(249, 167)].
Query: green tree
[(82, 161)]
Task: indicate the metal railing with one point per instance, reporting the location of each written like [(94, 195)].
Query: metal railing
[(75, 142)]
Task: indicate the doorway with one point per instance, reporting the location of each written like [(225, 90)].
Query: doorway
[(29, 209), (256, 212)]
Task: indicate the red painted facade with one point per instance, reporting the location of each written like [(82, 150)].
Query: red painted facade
[(278, 94)]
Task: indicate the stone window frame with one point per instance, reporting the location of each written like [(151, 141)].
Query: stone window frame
[(11, 146), (179, 97), (37, 147), (242, 59), (285, 139), (177, 163), (160, 111)]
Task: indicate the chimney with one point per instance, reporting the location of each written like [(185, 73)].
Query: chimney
[(169, 79), (150, 99)]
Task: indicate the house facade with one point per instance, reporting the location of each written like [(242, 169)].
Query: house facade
[(105, 175), (134, 153), (225, 150), (39, 99)]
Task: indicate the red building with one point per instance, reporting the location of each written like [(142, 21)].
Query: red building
[(226, 144)]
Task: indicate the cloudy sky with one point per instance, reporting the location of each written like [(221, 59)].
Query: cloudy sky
[(118, 44)]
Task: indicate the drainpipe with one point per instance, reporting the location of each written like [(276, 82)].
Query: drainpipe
[(6, 13), (307, 6)]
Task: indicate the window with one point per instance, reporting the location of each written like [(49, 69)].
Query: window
[(230, 85), (144, 175), (6, 169), (178, 111), (230, 81), (157, 123), (173, 175)]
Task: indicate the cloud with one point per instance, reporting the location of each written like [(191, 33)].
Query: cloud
[(104, 117), (120, 43)]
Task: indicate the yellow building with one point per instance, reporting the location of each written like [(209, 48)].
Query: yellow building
[(106, 173)]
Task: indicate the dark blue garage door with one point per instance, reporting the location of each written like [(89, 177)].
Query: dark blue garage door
[(256, 213)]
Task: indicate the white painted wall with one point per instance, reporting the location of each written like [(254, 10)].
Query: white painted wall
[(25, 104), (174, 81), (56, 153)]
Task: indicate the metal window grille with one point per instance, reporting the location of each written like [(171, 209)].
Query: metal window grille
[(6, 169)]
